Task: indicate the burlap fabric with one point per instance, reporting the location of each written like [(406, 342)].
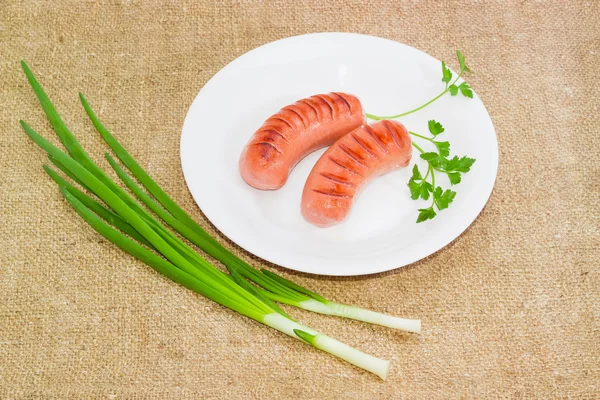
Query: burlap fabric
[(511, 309)]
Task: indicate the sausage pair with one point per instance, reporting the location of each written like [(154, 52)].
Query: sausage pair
[(358, 154)]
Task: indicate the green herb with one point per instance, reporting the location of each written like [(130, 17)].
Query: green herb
[(451, 87), (435, 127), (446, 74), (144, 236), (423, 187), (278, 289), (464, 88)]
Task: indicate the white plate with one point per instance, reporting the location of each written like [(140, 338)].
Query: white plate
[(380, 233)]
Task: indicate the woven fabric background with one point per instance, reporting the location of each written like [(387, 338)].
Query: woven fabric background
[(511, 309)]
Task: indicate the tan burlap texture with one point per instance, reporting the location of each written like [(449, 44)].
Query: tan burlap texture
[(511, 309)]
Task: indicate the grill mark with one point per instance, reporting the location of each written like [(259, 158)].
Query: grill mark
[(336, 179), (333, 160), (365, 148), (345, 196), (326, 103), (385, 123), (271, 126), (305, 101), (275, 132), (344, 99), (285, 122), (270, 144), (324, 98), (289, 108), (352, 155), (401, 138), (375, 138)]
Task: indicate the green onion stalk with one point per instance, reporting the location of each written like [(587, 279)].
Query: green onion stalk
[(279, 289), (125, 222)]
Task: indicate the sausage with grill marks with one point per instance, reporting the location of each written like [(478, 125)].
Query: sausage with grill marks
[(348, 166), (294, 132)]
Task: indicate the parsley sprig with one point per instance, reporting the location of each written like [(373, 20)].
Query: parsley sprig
[(423, 187), (451, 88)]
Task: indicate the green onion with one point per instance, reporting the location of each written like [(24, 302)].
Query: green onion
[(98, 208), (283, 290), (125, 212), (223, 291), (276, 321), (184, 230), (325, 343), (157, 263), (180, 263)]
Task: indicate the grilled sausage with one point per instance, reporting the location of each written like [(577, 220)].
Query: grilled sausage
[(348, 166), (294, 132)]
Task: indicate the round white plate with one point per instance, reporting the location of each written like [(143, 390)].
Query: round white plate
[(380, 233)]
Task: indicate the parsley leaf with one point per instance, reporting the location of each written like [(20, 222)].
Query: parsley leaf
[(421, 189), (443, 198), (461, 61), (446, 73), (454, 177), (435, 127), (416, 174), (430, 156), (415, 189), (433, 158), (453, 90), (465, 90), (456, 164), (443, 148), (425, 214), (426, 188)]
